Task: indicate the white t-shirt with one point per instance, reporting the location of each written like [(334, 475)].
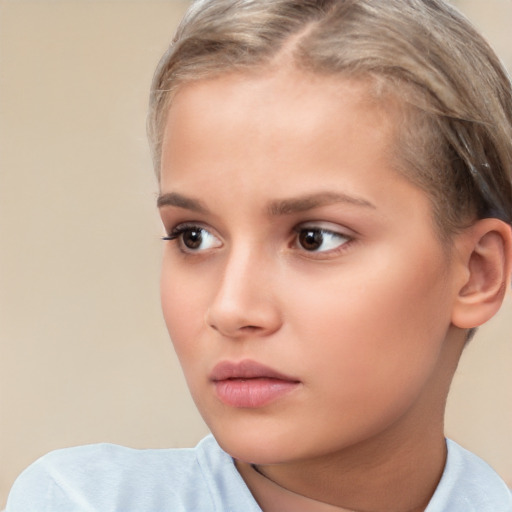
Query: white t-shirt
[(110, 478)]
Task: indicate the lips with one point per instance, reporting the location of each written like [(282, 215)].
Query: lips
[(248, 384)]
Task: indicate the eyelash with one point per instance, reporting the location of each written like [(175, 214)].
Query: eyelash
[(323, 232), (179, 230), (176, 234)]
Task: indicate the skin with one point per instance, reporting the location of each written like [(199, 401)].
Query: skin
[(363, 322)]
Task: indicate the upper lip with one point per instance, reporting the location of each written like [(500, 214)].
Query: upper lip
[(246, 369)]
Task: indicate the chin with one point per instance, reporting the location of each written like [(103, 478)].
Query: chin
[(257, 445)]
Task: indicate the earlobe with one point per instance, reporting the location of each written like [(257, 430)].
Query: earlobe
[(486, 251)]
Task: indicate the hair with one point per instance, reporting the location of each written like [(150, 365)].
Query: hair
[(455, 134)]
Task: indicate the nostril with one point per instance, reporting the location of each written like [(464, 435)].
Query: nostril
[(231, 319)]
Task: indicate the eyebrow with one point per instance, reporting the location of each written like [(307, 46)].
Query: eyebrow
[(276, 207), (310, 201), (181, 201)]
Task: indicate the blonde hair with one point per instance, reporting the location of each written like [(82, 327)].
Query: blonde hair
[(455, 141)]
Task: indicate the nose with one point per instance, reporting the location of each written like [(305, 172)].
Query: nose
[(245, 302)]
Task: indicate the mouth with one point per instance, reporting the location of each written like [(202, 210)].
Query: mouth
[(248, 384)]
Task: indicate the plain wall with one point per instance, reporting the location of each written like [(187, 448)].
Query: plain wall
[(84, 353)]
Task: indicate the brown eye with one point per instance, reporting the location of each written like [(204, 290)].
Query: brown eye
[(316, 239), (311, 239), (192, 238)]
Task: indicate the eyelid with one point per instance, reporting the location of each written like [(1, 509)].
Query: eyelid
[(175, 233), (325, 228), (178, 229)]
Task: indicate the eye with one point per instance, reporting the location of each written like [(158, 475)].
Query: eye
[(318, 239), (192, 238)]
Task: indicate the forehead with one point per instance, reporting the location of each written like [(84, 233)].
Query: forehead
[(287, 86), (280, 110), (244, 141)]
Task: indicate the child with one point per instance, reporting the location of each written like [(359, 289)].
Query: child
[(336, 187)]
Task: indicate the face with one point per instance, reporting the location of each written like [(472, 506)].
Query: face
[(303, 285)]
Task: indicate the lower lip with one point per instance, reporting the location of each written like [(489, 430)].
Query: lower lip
[(252, 393)]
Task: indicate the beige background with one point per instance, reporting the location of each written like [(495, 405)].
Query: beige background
[(84, 353)]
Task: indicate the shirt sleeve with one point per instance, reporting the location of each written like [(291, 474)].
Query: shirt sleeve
[(36, 491)]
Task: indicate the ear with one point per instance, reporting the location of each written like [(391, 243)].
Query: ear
[(486, 262)]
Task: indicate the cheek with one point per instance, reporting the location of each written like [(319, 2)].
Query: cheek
[(181, 306), (381, 325), (184, 317)]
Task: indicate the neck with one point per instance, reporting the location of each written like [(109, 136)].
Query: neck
[(272, 497), (370, 479)]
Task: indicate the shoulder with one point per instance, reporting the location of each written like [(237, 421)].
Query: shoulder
[(108, 477), (469, 484)]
